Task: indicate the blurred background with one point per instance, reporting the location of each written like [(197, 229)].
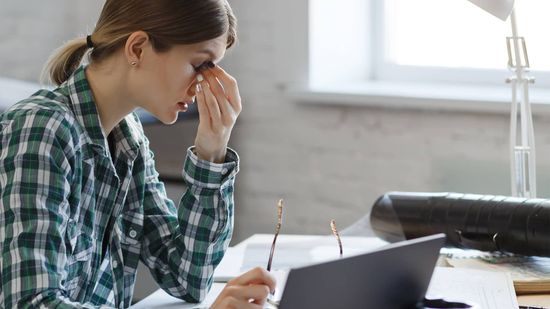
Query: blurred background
[(342, 101)]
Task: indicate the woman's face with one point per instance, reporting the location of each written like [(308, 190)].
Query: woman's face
[(166, 85)]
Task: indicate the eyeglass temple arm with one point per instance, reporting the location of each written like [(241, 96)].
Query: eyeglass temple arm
[(277, 229), (337, 235)]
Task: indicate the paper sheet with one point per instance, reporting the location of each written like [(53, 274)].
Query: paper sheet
[(300, 253), (482, 289), (290, 253)]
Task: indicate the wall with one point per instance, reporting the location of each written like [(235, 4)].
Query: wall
[(334, 161), (30, 30)]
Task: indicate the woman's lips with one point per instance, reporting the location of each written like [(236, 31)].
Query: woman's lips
[(182, 106)]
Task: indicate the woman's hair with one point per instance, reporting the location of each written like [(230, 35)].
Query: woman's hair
[(167, 22)]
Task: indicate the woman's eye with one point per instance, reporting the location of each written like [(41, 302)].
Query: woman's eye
[(199, 67)]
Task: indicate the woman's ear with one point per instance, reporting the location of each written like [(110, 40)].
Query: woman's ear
[(136, 42)]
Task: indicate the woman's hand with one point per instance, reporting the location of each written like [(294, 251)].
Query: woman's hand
[(219, 104), (249, 290)]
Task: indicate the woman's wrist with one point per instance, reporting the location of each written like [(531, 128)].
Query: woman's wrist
[(215, 157)]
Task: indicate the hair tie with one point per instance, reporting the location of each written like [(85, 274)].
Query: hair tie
[(89, 42)]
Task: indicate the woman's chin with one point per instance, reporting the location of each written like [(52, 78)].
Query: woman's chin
[(168, 118)]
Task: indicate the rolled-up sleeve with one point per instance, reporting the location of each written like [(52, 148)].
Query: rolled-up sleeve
[(182, 247)]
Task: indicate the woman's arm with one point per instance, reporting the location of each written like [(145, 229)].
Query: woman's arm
[(182, 250), (182, 254), (35, 182)]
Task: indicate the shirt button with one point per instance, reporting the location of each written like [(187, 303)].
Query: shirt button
[(224, 171), (115, 264), (133, 233)]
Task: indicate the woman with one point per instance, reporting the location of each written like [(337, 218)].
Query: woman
[(81, 203)]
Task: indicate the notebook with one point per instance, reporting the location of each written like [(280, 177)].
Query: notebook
[(530, 275)]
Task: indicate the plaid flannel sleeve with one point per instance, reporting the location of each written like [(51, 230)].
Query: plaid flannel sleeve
[(182, 250), (34, 186)]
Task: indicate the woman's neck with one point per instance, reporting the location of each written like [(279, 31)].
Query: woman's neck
[(108, 82)]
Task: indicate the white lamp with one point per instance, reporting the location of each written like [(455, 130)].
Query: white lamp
[(522, 145), (500, 8)]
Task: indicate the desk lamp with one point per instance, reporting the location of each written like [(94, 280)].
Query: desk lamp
[(482, 222), (522, 137)]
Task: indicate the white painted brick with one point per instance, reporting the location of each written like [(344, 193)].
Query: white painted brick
[(31, 30), (334, 161)]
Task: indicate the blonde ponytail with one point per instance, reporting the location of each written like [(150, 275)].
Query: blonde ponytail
[(64, 61)]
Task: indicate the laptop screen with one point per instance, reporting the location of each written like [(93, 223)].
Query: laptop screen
[(395, 276)]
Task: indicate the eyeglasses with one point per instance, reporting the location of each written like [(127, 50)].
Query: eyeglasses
[(278, 229)]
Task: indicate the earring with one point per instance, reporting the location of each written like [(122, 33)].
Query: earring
[(133, 63)]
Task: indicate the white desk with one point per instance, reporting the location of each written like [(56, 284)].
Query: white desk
[(162, 300)]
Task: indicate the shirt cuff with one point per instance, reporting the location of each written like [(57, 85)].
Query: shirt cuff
[(206, 174)]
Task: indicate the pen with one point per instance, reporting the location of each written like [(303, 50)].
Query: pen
[(531, 307)]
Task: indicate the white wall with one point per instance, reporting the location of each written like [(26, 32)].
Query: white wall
[(334, 161), (30, 30)]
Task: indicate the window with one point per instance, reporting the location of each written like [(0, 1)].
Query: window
[(422, 40)]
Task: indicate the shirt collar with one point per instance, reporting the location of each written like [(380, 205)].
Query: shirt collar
[(127, 134)]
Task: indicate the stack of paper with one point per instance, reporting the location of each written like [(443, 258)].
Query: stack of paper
[(531, 275)]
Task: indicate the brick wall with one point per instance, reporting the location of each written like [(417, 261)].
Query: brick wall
[(334, 161), (30, 30)]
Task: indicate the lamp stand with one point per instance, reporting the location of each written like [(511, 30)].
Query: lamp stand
[(522, 137)]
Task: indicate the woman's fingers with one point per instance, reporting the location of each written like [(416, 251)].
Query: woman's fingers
[(217, 87), (204, 115), (233, 302), (257, 293), (257, 275), (227, 112), (211, 103), (230, 85), (249, 290)]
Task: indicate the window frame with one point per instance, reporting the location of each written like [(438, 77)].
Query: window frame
[(382, 70), (359, 82)]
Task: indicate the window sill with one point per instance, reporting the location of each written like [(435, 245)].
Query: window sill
[(421, 96)]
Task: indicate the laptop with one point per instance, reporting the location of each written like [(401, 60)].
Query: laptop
[(393, 277)]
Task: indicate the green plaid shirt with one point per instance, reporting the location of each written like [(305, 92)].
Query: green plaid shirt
[(62, 193)]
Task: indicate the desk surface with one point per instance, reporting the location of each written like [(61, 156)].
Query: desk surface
[(163, 300), (160, 299)]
